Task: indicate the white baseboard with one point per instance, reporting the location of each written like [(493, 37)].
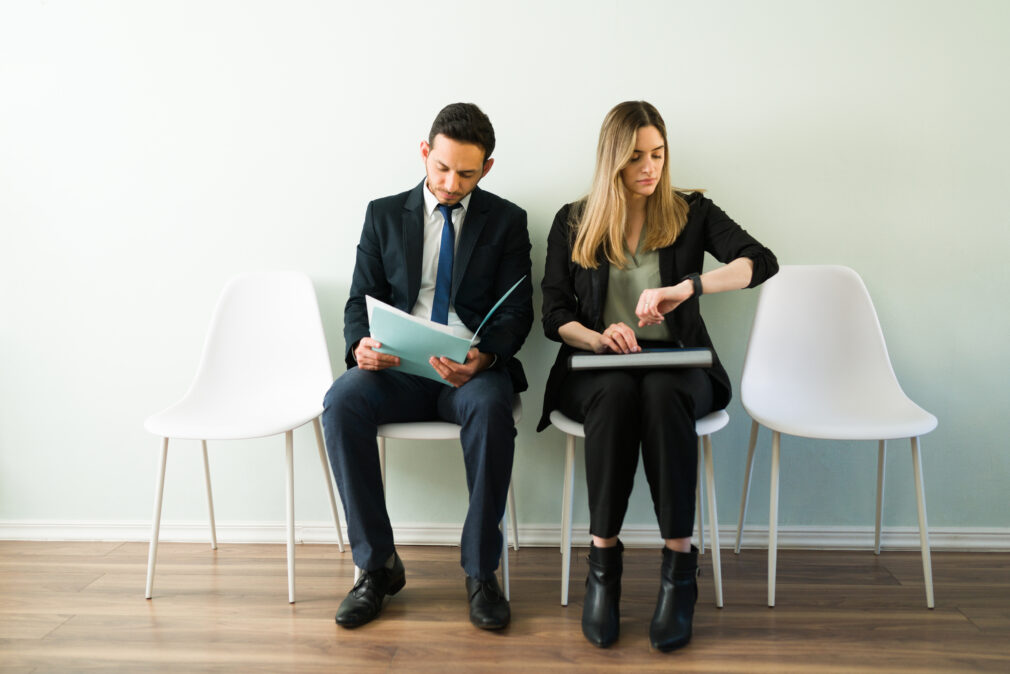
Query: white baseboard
[(535, 535)]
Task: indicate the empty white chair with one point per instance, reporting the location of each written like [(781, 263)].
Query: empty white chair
[(817, 367), (704, 428), (444, 430), (264, 371)]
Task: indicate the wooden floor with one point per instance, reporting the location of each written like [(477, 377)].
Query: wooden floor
[(81, 607)]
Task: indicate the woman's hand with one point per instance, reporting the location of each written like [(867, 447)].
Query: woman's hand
[(653, 303), (617, 337)]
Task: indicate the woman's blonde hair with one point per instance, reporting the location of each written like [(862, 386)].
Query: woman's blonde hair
[(600, 223)]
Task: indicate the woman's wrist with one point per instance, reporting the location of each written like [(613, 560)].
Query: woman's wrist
[(684, 290), (575, 334), (695, 288)]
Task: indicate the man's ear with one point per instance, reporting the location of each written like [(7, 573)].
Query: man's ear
[(487, 167), (425, 149)]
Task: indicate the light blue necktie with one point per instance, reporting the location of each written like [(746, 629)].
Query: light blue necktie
[(443, 274)]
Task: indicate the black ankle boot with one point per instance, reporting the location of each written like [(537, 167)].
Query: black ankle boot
[(601, 617), (678, 592)]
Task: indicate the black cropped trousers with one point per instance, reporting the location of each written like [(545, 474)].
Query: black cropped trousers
[(623, 410)]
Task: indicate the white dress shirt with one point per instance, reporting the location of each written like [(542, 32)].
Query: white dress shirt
[(433, 223)]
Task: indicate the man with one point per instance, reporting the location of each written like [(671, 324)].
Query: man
[(406, 258)]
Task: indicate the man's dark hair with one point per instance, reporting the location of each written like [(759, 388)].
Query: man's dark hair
[(466, 123)]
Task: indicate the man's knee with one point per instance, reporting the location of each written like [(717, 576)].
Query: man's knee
[(487, 399), (348, 393)]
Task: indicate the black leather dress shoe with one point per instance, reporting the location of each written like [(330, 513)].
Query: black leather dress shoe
[(364, 601), (489, 610)]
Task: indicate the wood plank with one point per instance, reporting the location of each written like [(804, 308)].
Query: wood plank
[(80, 607), (29, 625)]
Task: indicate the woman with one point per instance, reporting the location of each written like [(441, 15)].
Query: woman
[(624, 272)]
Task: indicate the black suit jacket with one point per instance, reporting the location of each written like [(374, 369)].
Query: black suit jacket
[(574, 293), (493, 252)]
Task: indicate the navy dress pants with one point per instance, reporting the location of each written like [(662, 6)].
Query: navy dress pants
[(359, 401)]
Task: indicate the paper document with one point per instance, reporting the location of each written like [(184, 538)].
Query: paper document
[(685, 357), (415, 339)]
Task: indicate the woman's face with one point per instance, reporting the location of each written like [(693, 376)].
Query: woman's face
[(641, 174)]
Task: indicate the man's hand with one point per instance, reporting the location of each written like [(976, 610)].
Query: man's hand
[(458, 374), (368, 359)]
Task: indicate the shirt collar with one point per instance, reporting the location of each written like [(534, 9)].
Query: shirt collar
[(431, 202)]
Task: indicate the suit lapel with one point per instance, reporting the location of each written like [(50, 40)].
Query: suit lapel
[(599, 279), (413, 241), (667, 265), (473, 224)]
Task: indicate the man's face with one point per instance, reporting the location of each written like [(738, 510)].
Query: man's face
[(454, 168)]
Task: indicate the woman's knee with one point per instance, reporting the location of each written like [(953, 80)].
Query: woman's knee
[(616, 390), (677, 389)]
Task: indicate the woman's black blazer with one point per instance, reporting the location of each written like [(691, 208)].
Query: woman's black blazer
[(574, 293)]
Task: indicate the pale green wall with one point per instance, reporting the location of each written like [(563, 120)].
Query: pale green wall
[(149, 151)]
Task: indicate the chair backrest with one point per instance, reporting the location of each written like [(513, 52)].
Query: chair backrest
[(266, 338), (815, 342)]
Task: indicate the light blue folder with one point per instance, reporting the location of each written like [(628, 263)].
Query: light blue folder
[(416, 339)]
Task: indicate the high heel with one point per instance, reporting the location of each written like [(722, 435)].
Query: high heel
[(678, 591), (601, 617)]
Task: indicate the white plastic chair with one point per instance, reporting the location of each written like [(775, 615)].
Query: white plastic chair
[(444, 430), (704, 428), (817, 367), (264, 370)]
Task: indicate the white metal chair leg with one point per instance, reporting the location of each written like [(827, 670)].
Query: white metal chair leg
[(881, 455), (321, 445), (512, 517), (920, 494), (746, 484), (210, 497), (699, 507), (289, 447), (565, 487), (159, 492), (713, 520), (773, 518), (566, 517)]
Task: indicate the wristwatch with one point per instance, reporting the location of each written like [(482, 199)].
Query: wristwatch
[(696, 282)]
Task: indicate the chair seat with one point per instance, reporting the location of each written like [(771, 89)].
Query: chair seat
[(707, 425), (434, 430), (420, 430), (844, 419), (710, 423), (225, 420), (567, 425)]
